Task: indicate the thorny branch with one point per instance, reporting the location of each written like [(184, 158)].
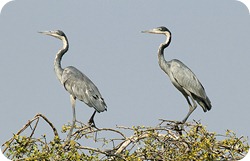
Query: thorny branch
[(146, 143)]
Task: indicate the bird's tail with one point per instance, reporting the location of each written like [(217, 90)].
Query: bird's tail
[(205, 104)]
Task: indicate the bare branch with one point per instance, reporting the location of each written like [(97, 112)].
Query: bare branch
[(36, 118)]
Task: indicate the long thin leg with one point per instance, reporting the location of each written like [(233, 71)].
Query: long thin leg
[(91, 120), (191, 108), (73, 104)]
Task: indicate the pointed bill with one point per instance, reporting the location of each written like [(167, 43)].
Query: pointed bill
[(153, 31), (147, 31), (45, 32), (50, 33)]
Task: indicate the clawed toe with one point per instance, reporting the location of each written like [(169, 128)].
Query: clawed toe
[(91, 123)]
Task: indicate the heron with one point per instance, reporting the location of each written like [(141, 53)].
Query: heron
[(76, 83), (181, 76)]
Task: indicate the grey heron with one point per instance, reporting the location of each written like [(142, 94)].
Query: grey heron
[(181, 76), (76, 83)]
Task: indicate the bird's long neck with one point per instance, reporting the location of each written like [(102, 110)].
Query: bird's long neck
[(57, 63), (162, 62)]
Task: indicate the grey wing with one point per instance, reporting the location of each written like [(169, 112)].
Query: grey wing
[(187, 79), (82, 88)]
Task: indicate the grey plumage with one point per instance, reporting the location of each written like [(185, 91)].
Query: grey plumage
[(82, 88), (76, 83), (181, 76)]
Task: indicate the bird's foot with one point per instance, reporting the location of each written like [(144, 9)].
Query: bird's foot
[(179, 127), (91, 124)]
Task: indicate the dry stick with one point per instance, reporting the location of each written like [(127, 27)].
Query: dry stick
[(134, 138), (51, 125), (99, 151), (20, 131), (131, 139), (100, 129), (36, 117), (33, 131), (92, 149)]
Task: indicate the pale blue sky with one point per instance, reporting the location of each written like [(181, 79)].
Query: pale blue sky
[(210, 37)]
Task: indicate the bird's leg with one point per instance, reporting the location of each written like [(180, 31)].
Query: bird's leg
[(91, 120), (73, 103), (191, 108)]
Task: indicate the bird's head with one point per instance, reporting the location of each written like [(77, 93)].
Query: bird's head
[(159, 30), (57, 34)]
